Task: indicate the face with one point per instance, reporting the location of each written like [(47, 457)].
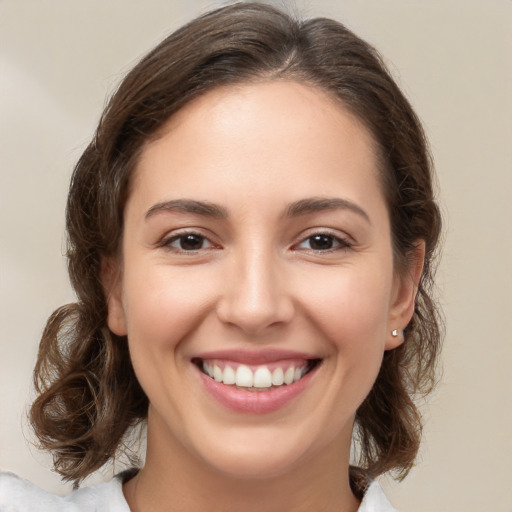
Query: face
[(257, 287)]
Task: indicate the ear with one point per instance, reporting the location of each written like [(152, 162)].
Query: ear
[(405, 288), (111, 281)]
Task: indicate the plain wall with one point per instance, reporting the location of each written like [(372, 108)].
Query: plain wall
[(58, 60)]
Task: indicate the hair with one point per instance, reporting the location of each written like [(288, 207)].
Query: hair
[(88, 394)]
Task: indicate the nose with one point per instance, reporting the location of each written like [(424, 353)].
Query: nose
[(256, 296)]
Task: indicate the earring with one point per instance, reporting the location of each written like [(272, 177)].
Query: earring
[(394, 333)]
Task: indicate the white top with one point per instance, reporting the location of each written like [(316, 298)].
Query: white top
[(18, 495)]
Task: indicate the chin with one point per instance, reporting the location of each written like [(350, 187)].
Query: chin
[(252, 466), (255, 453)]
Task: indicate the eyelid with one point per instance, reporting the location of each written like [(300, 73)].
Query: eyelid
[(344, 241), (175, 235)]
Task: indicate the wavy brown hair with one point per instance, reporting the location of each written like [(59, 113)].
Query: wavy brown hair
[(88, 395)]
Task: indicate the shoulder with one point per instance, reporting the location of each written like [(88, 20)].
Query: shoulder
[(375, 500), (19, 495)]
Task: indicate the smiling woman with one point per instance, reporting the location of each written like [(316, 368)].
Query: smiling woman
[(262, 287), (251, 235)]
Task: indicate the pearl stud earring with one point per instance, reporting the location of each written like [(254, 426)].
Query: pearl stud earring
[(394, 333)]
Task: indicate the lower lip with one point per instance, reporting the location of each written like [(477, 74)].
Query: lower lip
[(255, 402)]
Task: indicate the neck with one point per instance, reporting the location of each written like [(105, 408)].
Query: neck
[(173, 480)]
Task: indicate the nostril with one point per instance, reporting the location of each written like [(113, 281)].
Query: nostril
[(255, 296), (255, 316)]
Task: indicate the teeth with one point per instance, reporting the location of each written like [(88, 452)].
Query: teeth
[(244, 377), (277, 377), (261, 378), (217, 373), (206, 369), (229, 375), (288, 375)]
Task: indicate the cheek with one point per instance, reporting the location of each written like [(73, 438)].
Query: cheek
[(350, 309), (350, 305), (163, 302), (161, 311)]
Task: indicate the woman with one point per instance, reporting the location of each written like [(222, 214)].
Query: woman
[(251, 237)]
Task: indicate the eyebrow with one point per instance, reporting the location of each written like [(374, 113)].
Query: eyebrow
[(295, 209), (319, 204), (203, 208)]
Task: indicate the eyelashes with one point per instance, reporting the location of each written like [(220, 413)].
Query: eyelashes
[(188, 242), (192, 242), (323, 242)]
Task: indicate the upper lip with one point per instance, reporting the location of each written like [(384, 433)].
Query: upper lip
[(255, 357)]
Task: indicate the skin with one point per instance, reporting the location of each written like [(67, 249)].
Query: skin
[(256, 281)]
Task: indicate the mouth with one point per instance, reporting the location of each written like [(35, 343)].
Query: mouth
[(256, 377)]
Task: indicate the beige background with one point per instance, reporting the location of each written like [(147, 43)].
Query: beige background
[(59, 58)]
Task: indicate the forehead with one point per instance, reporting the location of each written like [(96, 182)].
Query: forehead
[(262, 135)]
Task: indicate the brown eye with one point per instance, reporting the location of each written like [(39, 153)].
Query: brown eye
[(188, 242), (323, 242)]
